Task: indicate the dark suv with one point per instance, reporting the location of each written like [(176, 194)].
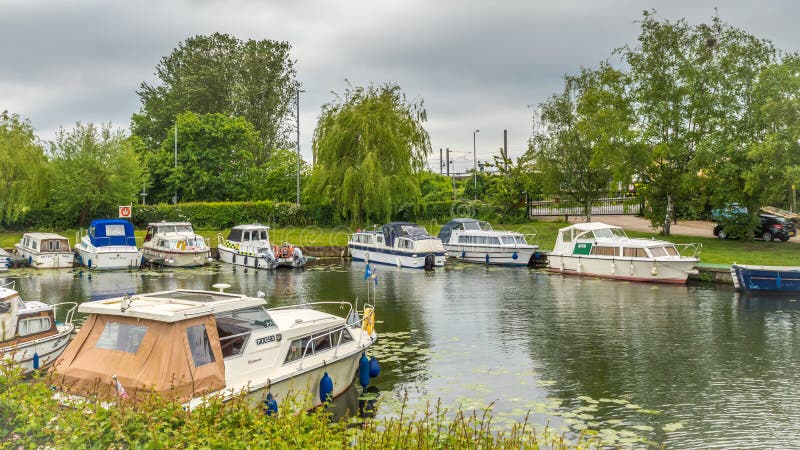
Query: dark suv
[(772, 227)]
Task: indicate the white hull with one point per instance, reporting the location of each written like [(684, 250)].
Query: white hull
[(46, 260), (232, 256), (48, 349), (505, 256), (305, 383), (632, 269), (109, 258), (394, 258), (187, 258)]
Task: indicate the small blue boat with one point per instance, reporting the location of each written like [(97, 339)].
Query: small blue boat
[(780, 279)]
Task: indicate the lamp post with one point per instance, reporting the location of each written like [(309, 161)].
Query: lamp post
[(475, 163), (175, 199), (298, 142)]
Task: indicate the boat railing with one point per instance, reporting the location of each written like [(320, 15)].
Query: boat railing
[(357, 323), (67, 308), (689, 250), (10, 285)]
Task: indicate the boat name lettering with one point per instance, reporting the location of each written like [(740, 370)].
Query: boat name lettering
[(265, 340)]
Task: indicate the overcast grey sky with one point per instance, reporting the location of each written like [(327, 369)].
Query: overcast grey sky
[(476, 64)]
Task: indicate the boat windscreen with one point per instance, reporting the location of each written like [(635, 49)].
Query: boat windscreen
[(609, 233)]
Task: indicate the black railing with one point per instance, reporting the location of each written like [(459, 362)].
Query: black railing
[(564, 204)]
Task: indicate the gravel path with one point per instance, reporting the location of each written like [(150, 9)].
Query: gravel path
[(684, 227)]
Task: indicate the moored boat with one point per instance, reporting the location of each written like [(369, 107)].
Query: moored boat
[(475, 241), (401, 244), (249, 246), (175, 244), (108, 244), (5, 260), (188, 344), (45, 250), (30, 335), (768, 279), (600, 250)]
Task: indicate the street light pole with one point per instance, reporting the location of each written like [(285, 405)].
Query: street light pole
[(298, 143), (175, 199), (475, 163)]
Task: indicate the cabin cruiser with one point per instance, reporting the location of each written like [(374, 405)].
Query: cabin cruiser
[(30, 335), (108, 244), (249, 246), (600, 250), (175, 244), (45, 250), (401, 244), (188, 344), (5, 260), (475, 241)]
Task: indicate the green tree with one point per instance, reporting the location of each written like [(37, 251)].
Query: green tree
[(585, 138), (514, 178), (773, 160), (94, 170), (369, 145), (216, 160), (688, 83), (221, 74), (276, 180), (23, 169)]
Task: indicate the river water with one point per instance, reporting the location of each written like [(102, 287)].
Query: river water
[(696, 366)]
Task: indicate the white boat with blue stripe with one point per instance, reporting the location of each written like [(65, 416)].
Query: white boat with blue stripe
[(473, 240), (401, 244)]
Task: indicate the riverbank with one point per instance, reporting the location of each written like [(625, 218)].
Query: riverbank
[(330, 242)]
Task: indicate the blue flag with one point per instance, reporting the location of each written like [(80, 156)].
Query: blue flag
[(368, 272)]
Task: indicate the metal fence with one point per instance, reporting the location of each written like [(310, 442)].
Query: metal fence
[(564, 204)]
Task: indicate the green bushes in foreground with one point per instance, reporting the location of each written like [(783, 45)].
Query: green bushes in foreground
[(31, 418)]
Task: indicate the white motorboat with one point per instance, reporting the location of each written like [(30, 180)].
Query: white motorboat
[(30, 334), (175, 244), (401, 244), (5, 260), (600, 250), (475, 241), (45, 250), (108, 244), (249, 246), (187, 344)]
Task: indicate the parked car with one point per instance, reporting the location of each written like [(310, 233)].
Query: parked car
[(772, 227)]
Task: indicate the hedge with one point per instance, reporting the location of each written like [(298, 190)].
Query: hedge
[(222, 215)]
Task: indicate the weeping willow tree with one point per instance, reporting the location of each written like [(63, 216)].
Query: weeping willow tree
[(23, 169), (369, 147)]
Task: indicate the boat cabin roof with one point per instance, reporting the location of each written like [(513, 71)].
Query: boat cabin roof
[(105, 232), (250, 227), (8, 295), (171, 224), (171, 306), (589, 226), (41, 236)]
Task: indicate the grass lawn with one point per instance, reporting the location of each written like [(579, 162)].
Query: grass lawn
[(714, 250)]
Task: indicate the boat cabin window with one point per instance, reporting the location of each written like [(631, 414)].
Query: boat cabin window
[(234, 327), (363, 238), (32, 326), (115, 230), (511, 240), (317, 343), (122, 337), (664, 251), (235, 235), (196, 241), (53, 245), (635, 252), (199, 345), (566, 236), (262, 235), (405, 243), (601, 250), (34, 245), (608, 233)]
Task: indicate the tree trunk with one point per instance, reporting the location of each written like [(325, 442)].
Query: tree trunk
[(668, 216), (587, 209)]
